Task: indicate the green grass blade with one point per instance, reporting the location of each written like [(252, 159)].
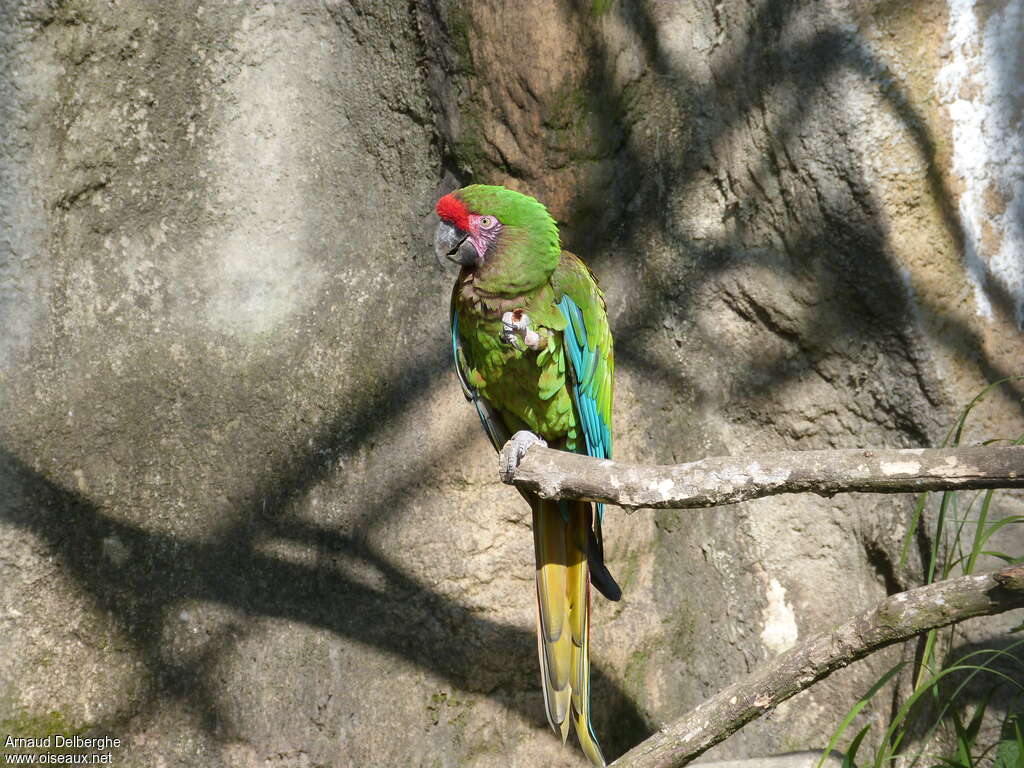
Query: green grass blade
[(979, 531), (956, 432), (999, 524), (912, 530), (856, 709), (1010, 749), (851, 752), (891, 740), (947, 498), (967, 736), (1008, 559), (925, 667)]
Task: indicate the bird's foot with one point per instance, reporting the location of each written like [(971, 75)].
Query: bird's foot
[(515, 325), (513, 451)]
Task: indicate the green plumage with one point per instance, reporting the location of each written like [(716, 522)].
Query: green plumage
[(529, 271), (561, 389), (526, 385), (530, 245)]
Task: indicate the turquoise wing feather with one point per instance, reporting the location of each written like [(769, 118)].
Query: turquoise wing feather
[(589, 353)]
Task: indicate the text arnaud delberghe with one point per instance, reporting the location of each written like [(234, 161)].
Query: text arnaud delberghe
[(56, 741)]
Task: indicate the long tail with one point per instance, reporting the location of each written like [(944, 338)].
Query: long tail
[(561, 535)]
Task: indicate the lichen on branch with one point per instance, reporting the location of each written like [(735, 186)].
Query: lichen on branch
[(715, 481)]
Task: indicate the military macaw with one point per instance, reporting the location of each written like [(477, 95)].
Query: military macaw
[(533, 352)]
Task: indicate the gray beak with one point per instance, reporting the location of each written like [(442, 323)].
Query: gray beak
[(453, 244)]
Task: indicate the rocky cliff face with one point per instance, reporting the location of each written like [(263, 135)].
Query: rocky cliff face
[(247, 518)]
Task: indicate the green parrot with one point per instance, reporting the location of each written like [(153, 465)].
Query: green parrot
[(533, 352)]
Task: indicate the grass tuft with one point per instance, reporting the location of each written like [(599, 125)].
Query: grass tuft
[(940, 680)]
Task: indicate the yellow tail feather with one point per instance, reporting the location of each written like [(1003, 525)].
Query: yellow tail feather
[(563, 618)]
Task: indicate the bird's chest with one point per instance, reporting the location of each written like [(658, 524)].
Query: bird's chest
[(528, 384), (496, 364)]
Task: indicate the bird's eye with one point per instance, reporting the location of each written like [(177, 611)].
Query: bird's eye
[(486, 222)]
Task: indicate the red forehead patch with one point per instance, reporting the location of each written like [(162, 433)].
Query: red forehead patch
[(454, 211)]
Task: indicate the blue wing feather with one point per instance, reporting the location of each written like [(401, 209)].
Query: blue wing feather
[(586, 388)]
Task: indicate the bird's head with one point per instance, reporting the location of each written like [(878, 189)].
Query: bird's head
[(507, 240)]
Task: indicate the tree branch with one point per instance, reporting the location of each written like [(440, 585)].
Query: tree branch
[(710, 482), (893, 620)]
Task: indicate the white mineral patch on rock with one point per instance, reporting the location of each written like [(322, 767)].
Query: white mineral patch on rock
[(981, 88), (780, 631), (115, 550)]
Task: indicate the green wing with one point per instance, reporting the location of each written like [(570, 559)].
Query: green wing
[(588, 349)]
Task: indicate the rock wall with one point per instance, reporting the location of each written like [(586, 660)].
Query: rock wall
[(246, 517)]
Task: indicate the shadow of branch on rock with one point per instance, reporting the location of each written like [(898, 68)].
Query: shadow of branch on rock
[(403, 618), (854, 249)]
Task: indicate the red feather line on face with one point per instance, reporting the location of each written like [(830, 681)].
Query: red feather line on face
[(454, 211)]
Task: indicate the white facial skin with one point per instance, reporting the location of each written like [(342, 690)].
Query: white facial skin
[(483, 232)]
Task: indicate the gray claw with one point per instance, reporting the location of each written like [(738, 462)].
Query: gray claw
[(515, 325), (508, 335), (513, 451)]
